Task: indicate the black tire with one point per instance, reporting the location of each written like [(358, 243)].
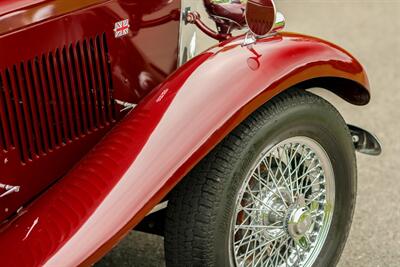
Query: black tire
[(200, 208)]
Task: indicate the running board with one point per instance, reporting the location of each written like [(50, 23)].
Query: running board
[(364, 141)]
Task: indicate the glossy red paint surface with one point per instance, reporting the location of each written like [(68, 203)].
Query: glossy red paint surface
[(33, 32), (84, 214)]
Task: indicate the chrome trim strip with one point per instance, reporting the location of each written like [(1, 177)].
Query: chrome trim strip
[(125, 105), (187, 35), (9, 189)]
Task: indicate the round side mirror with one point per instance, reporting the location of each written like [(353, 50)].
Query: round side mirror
[(261, 16)]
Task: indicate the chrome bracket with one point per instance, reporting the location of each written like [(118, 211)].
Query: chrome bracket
[(125, 105), (249, 39), (9, 189), (185, 14), (365, 142)]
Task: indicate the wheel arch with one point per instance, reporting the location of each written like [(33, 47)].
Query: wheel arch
[(347, 89)]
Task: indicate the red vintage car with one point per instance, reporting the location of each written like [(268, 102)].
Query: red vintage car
[(111, 119)]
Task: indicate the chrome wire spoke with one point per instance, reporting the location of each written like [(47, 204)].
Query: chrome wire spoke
[(242, 226), (275, 253), (282, 177), (255, 198), (279, 162), (247, 253), (275, 182), (304, 175), (281, 215), (317, 213), (253, 226), (247, 238), (251, 235), (305, 189), (301, 161), (260, 256), (262, 183), (268, 242), (315, 197)]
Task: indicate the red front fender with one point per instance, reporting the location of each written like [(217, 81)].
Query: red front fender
[(83, 215)]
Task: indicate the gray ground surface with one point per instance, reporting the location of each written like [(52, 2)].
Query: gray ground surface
[(371, 31)]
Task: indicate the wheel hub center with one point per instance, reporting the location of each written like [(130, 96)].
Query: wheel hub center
[(300, 222), (276, 201)]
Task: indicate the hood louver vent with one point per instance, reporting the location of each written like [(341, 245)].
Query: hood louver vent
[(56, 98)]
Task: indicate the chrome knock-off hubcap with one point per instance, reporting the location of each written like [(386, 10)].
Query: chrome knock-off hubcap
[(300, 222), (284, 207)]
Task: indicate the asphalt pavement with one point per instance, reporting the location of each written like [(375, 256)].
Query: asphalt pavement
[(369, 29)]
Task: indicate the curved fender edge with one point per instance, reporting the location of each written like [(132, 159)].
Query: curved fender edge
[(135, 166)]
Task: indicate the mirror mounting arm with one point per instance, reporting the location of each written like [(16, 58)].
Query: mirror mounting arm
[(193, 17)]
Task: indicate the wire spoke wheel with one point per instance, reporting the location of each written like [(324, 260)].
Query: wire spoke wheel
[(284, 208), (278, 191)]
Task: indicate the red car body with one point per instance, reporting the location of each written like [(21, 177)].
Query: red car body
[(88, 169)]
